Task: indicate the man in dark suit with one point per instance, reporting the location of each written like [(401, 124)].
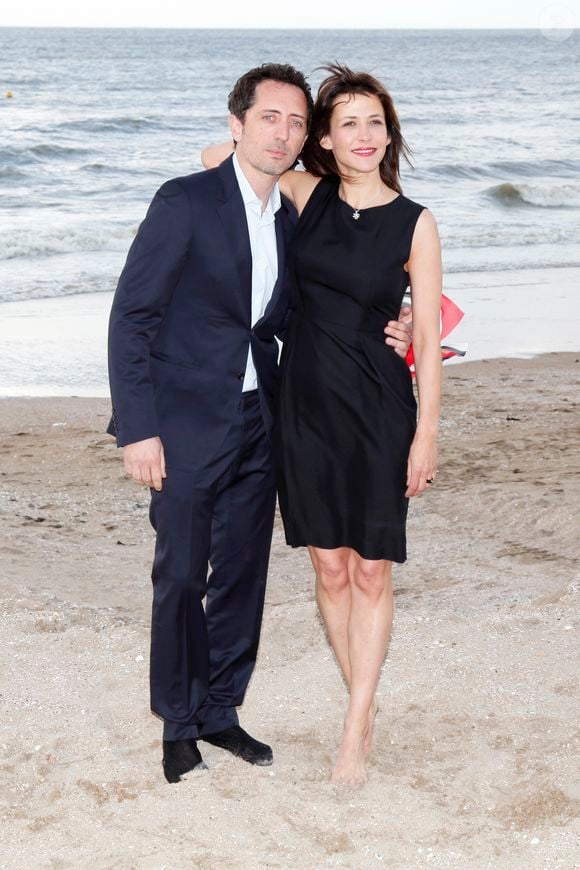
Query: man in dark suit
[(193, 367)]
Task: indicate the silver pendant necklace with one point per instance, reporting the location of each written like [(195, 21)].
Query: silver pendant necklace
[(356, 215)]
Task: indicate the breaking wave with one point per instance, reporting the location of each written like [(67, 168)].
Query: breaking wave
[(540, 195)]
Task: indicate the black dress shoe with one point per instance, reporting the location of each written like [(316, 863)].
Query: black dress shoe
[(239, 743), (179, 757)]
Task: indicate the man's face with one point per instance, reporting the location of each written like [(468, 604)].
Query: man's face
[(273, 132)]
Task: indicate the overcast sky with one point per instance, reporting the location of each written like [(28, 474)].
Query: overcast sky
[(292, 13)]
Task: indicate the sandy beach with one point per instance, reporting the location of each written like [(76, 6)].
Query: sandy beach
[(476, 759)]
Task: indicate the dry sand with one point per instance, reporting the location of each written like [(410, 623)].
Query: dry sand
[(476, 760)]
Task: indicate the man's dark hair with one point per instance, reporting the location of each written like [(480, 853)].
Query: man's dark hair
[(243, 95)]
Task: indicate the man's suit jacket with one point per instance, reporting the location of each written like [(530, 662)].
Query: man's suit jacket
[(180, 323)]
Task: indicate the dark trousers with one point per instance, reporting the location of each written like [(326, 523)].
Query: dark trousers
[(201, 661)]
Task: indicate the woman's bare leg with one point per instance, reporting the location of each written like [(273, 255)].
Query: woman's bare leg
[(334, 602), (369, 629), (355, 599), (333, 595)]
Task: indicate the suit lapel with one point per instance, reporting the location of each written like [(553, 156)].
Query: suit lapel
[(232, 214), (284, 229)]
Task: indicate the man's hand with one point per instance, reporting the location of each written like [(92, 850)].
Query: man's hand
[(399, 333), (145, 462)]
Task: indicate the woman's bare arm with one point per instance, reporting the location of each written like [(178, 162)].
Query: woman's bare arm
[(425, 278), (297, 186), (213, 155)]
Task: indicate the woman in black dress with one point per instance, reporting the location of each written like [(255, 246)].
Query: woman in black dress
[(348, 450)]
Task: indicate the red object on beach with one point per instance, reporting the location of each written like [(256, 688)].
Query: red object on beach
[(451, 315)]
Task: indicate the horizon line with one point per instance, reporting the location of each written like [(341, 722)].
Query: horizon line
[(234, 29)]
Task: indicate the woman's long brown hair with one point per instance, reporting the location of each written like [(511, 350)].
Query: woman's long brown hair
[(341, 82)]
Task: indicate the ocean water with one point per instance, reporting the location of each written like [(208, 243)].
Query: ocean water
[(100, 118)]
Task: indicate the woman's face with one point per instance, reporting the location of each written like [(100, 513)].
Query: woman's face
[(358, 135)]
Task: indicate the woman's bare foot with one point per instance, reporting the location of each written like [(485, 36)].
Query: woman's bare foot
[(372, 715), (350, 767)]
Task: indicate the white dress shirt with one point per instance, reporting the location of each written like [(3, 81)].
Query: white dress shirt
[(262, 231)]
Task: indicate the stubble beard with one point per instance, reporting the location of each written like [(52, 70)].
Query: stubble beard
[(271, 167)]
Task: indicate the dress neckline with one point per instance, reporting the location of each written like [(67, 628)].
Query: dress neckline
[(362, 211)]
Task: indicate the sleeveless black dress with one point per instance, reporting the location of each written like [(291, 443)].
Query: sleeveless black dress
[(346, 412)]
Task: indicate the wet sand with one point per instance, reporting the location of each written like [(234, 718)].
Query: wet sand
[(477, 738)]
